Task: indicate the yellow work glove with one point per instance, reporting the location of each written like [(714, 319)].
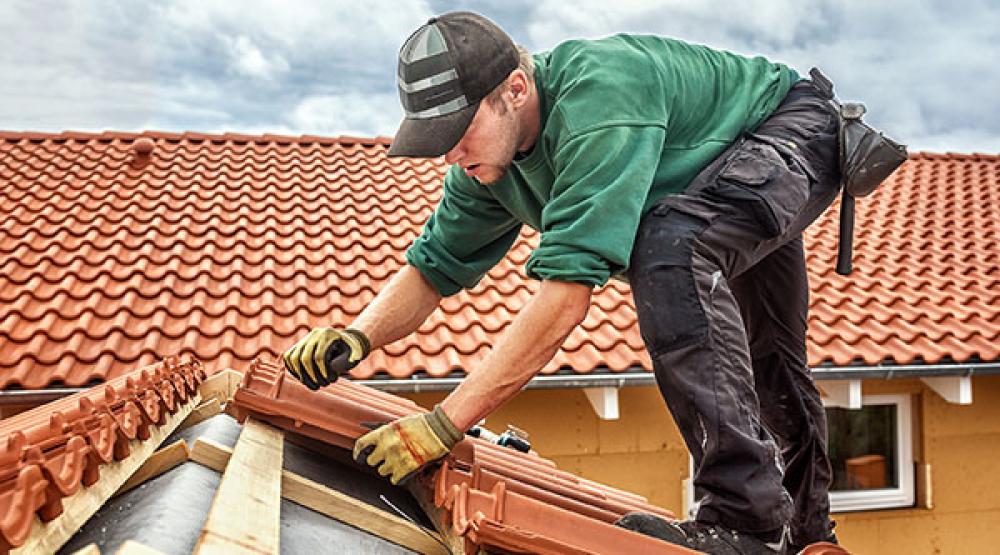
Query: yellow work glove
[(401, 447), (325, 354)]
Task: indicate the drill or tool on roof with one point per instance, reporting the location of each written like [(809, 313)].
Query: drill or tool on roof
[(514, 437)]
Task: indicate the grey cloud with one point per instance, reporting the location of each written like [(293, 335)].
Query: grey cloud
[(926, 70)]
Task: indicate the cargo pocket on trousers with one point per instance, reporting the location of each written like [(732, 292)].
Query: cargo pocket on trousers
[(759, 181)]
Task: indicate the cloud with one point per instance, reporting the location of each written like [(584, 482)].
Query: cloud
[(347, 114), (926, 70), (249, 60)]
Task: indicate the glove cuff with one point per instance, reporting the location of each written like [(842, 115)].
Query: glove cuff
[(366, 345), (443, 427)]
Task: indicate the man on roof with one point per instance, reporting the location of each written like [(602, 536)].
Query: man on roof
[(688, 171)]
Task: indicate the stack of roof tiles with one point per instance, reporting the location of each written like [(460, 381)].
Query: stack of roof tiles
[(47, 454), (121, 247), (495, 497)]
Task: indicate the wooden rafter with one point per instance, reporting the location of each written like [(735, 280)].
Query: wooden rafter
[(202, 412), (157, 463), (221, 385), (331, 503), (245, 514)]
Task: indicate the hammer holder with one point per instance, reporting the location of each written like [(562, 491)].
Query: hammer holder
[(867, 158)]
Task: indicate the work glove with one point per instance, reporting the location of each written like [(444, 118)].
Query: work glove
[(401, 447), (325, 354)]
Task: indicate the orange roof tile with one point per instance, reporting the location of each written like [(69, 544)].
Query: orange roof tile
[(495, 497), (229, 246), (46, 454), (926, 284)]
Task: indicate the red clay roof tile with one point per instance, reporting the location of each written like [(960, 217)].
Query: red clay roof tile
[(495, 496), (47, 453), (230, 246)]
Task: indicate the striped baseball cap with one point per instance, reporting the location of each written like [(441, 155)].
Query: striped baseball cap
[(445, 69)]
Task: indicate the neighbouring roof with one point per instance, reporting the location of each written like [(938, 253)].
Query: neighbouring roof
[(229, 246)]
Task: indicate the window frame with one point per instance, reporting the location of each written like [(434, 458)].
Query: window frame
[(886, 498), (863, 500)]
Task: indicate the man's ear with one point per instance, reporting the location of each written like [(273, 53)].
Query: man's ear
[(518, 88)]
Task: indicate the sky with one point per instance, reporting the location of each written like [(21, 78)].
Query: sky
[(928, 70)]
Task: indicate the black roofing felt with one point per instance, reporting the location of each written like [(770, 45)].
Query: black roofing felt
[(167, 513)]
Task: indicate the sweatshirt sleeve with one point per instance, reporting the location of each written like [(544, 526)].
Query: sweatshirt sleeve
[(603, 177), (468, 233)]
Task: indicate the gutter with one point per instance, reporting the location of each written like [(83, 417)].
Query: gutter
[(890, 372), (36, 396), (639, 377), (416, 384), (632, 377)]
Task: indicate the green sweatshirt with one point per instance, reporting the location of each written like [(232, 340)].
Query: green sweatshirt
[(626, 120)]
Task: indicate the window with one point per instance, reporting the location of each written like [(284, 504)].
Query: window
[(872, 455), (871, 452)]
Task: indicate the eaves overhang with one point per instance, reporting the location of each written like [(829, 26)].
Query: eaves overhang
[(641, 377), (632, 377)]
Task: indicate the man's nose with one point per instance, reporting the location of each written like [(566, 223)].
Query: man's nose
[(456, 153)]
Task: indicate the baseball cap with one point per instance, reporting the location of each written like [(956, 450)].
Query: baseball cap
[(445, 69)]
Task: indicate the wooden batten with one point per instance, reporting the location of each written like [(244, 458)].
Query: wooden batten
[(331, 503), (246, 511), (159, 462)]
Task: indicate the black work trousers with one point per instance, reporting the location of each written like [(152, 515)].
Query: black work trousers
[(719, 282)]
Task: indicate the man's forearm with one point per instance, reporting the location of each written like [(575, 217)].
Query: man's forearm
[(399, 308), (528, 344)]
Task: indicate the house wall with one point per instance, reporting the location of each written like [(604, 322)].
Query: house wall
[(961, 443), (642, 452)]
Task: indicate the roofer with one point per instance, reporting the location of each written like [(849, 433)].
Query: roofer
[(688, 171)]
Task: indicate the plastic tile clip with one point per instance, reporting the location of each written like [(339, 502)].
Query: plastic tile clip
[(47, 453)]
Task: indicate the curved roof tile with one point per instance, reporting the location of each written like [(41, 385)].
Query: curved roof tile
[(227, 246)]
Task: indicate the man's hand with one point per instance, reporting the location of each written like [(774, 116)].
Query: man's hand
[(325, 354), (402, 446)]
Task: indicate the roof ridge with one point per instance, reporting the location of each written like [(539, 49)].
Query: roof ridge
[(930, 155), (195, 136)]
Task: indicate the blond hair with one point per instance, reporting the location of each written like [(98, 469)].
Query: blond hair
[(526, 64)]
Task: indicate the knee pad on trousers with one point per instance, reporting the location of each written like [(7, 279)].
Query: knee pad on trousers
[(663, 282)]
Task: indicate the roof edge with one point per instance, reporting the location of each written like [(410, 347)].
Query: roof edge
[(635, 376), (193, 136)]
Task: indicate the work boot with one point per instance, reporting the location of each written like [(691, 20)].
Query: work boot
[(707, 538)]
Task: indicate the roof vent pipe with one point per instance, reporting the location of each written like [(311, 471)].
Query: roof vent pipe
[(143, 147)]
